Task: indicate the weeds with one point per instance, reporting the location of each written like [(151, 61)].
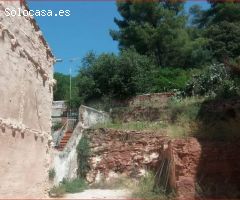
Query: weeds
[(83, 153), (56, 126), (51, 174), (74, 186), (57, 191), (68, 186), (134, 125), (115, 183), (145, 189)]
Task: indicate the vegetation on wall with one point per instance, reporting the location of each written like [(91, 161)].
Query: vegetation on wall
[(83, 153)]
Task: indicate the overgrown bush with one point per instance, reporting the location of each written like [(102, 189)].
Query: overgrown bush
[(83, 153), (169, 79), (68, 186), (57, 191), (185, 109), (56, 126), (75, 185), (146, 189), (51, 174), (214, 81)]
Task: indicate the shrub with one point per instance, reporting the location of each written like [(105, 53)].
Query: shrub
[(146, 188), (185, 109), (214, 81), (74, 186), (51, 174), (83, 152), (56, 126), (57, 191), (169, 79)]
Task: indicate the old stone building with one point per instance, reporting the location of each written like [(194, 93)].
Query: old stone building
[(26, 81)]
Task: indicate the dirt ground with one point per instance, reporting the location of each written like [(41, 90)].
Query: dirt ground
[(100, 194)]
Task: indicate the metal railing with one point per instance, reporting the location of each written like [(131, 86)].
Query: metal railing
[(69, 126), (61, 134)]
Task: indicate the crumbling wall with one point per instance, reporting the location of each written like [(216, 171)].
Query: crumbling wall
[(193, 168), (89, 116), (147, 107), (26, 81), (153, 99), (122, 153), (208, 169)]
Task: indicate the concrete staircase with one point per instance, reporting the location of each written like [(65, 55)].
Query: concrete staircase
[(64, 140), (65, 134)]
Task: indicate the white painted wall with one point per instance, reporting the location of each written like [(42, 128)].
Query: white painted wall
[(65, 162)]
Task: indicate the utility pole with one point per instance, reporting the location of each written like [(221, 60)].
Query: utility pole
[(70, 89), (70, 81)]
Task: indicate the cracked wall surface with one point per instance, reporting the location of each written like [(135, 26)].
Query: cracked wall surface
[(26, 81)]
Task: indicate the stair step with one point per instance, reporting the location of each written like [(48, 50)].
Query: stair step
[(66, 136), (63, 143), (64, 140)]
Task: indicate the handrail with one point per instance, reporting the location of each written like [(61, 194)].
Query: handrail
[(61, 133)]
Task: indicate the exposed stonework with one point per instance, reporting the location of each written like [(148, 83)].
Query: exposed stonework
[(199, 168), (187, 154), (26, 81), (147, 107), (207, 168), (115, 153)]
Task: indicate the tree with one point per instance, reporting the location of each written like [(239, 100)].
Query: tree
[(221, 24), (156, 28), (62, 86), (117, 76), (62, 90)]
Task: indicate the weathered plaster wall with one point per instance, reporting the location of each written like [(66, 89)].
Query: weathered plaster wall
[(26, 80), (65, 162), (90, 116), (58, 109)]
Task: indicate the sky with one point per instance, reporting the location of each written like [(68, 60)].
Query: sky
[(86, 29)]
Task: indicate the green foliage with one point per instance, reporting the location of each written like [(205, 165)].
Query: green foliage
[(214, 81), (150, 27), (221, 27), (134, 125), (75, 185), (62, 86), (62, 90), (159, 47), (169, 79), (224, 39), (184, 110), (68, 186), (56, 126), (57, 191), (115, 76), (158, 28), (126, 75), (51, 174), (146, 188), (83, 153)]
